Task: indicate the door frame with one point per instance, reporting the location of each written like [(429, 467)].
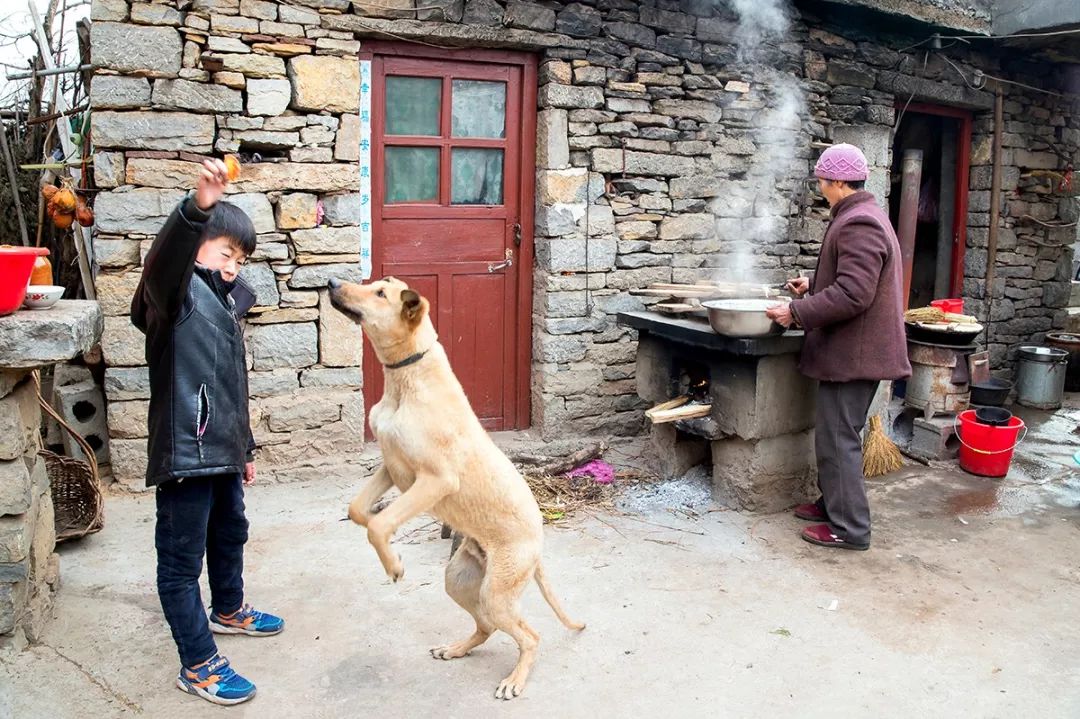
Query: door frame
[(521, 414), (963, 172)]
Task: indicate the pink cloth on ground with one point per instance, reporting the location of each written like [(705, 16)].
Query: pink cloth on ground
[(598, 469)]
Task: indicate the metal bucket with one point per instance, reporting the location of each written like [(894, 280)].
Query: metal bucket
[(1070, 342), (1040, 381)]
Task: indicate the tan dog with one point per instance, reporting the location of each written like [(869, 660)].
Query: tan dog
[(444, 463)]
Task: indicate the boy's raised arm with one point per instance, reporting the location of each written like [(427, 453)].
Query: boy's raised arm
[(171, 259)]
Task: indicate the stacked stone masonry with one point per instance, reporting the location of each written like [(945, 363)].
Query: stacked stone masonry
[(29, 566), (657, 161)]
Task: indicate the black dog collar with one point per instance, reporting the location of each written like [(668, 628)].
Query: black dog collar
[(411, 359)]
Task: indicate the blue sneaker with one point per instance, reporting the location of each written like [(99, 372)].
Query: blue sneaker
[(246, 620), (216, 682)]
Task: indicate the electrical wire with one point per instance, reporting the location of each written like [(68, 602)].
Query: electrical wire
[(983, 76), (1052, 33), (963, 77), (896, 125)]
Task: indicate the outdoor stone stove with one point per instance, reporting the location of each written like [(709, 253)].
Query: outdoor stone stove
[(759, 435)]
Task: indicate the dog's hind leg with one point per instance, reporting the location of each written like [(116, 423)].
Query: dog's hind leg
[(360, 508), (507, 575), (464, 576)]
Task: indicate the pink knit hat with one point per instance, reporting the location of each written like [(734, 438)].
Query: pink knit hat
[(842, 162)]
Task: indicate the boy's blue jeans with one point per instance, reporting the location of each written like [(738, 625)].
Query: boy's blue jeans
[(197, 516)]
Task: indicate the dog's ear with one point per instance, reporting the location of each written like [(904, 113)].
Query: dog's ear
[(412, 307)]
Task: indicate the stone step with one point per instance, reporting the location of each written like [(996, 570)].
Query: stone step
[(935, 438)]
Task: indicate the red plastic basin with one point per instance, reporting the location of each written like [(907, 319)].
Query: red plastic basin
[(952, 306), (16, 263)]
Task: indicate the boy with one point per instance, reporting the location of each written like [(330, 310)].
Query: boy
[(189, 304)]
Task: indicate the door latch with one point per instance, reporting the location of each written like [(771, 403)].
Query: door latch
[(508, 262), (517, 234)]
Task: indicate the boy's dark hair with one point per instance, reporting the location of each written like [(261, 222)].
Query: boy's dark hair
[(229, 221)]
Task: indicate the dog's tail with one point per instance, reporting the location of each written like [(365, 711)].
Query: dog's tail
[(553, 602)]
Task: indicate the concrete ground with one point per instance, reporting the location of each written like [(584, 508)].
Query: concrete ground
[(966, 606)]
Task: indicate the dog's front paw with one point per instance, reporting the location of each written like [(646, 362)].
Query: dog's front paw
[(510, 688), (396, 570), (451, 651)]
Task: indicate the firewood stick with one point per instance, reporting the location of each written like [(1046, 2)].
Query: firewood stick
[(561, 465)]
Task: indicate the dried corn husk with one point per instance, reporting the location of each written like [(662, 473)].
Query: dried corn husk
[(933, 314)]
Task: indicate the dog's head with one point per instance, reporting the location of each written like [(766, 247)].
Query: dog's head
[(387, 309)]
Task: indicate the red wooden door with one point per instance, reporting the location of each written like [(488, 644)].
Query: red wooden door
[(453, 134)]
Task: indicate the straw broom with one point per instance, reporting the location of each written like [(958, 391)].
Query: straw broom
[(880, 455)]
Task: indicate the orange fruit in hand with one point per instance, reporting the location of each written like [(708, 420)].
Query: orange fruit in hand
[(232, 165)]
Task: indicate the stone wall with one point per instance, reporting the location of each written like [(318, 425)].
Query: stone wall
[(29, 568), (860, 82), (665, 153), (249, 78)]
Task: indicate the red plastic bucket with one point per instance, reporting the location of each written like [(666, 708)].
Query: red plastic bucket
[(952, 306), (986, 450), (16, 264)]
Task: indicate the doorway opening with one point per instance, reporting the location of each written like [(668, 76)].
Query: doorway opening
[(943, 135)]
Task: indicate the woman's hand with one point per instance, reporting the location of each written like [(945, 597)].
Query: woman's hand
[(799, 286), (249, 474), (780, 314), (213, 179)]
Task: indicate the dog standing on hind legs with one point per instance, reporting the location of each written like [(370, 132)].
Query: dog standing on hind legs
[(444, 463)]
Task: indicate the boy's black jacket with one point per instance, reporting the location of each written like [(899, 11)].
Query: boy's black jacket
[(198, 417)]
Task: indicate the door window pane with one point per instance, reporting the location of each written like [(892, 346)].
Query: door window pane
[(478, 109), (412, 174), (476, 176), (412, 105)]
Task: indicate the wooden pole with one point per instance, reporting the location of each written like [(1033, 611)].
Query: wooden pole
[(9, 162), (909, 214), (62, 133), (995, 208)]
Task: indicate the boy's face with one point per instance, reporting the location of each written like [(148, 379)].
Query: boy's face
[(219, 253)]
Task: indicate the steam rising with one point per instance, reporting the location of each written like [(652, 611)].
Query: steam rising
[(777, 135)]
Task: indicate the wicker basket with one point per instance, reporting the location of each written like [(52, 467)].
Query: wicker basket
[(76, 493)]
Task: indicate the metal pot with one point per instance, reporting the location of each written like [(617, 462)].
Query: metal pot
[(1071, 344), (742, 318), (991, 393), (923, 332)]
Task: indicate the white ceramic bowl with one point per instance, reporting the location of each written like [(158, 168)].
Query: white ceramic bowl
[(42, 297)]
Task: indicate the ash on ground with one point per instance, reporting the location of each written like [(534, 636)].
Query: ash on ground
[(692, 491)]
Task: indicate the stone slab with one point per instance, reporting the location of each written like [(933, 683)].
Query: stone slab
[(698, 333), (33, 338), (155, 51), (340, 339)]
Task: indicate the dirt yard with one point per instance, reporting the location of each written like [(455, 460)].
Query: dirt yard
[(965, 606)]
